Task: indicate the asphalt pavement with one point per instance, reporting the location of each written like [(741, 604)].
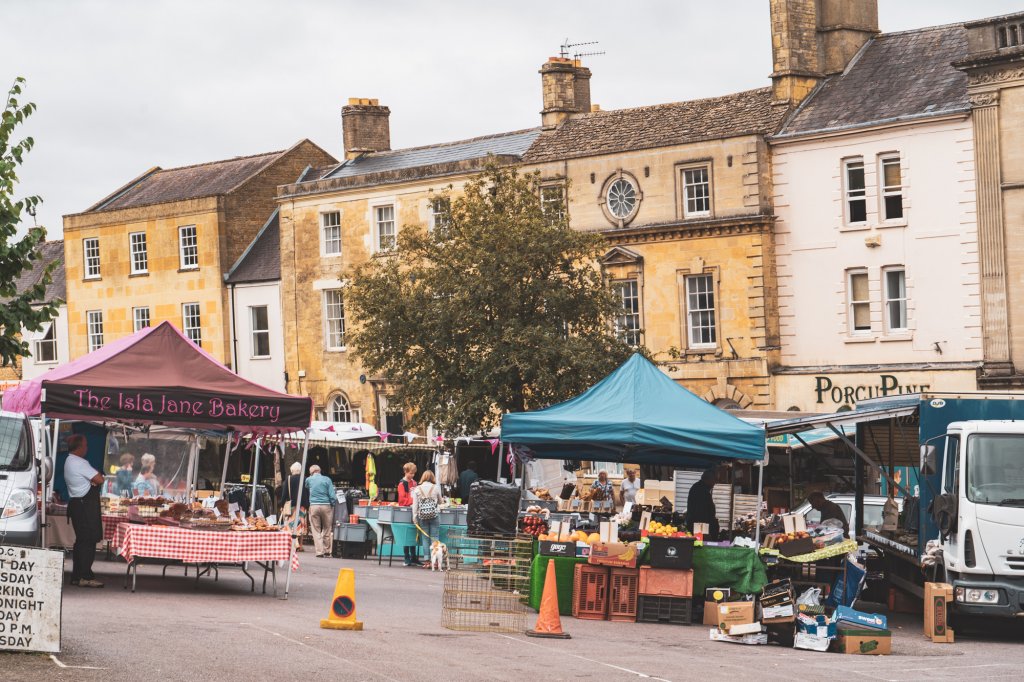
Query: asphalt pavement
[(175, 628)]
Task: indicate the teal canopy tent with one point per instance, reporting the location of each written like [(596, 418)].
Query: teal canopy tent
[(636, 415)]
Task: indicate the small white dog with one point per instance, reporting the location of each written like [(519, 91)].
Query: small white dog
[(439, 556)]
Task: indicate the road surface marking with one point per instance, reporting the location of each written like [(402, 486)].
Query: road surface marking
[(590, 660), (321, 651), (875, 676), (76, 667)]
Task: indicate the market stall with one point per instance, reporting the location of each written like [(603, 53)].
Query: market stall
[(638, 415), (159, 378)]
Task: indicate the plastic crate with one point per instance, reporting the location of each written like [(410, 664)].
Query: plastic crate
[(590, 592), (362, 511), (373, 512), (674, 610), (665, 582), (448, 517), (351, 532), (386, 514), (350, 550), (674, 553), (401, 515), (622, 593), (462, 517)]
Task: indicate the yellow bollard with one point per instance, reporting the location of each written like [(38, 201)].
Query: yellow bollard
[(343, 606)]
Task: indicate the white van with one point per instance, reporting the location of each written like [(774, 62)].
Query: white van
[(873, 505), (19, 482)]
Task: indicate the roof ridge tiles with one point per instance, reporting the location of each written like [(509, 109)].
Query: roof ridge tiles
[(649, 107), (220, 161), (452, 143), (923, 29)]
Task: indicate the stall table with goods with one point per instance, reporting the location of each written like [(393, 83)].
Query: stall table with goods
[(393, 528)]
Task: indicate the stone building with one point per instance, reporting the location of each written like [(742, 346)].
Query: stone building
[(993, 64), (876, 232), (47, 347), (158, 247)]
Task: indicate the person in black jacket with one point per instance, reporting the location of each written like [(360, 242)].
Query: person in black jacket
[(700, 506)]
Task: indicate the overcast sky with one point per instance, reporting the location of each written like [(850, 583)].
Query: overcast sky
[(124, 86)]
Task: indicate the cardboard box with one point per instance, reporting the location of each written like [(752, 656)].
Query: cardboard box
[(719, 636), (735, 613), (582, 549), (615, 554), (794, 523), (805, 640), (851, 619), (777, 602), (937, 598), (870, 642), (712, 597), (744, 629), (778, 614), (557, 548)]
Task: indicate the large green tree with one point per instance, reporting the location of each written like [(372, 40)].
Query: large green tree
[(499, 307), (19, 310)]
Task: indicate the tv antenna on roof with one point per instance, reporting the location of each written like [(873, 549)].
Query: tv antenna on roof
[(567, 48)]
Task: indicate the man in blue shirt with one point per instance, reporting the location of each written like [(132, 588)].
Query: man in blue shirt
[(321, 511)]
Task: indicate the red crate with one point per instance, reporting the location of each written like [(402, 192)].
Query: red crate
[(590, 592), (622, 593), (665, 582)]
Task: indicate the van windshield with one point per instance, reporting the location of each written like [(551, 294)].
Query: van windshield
[(995, 469), (14, 452)]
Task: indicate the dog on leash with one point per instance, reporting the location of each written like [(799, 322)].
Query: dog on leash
[(439, 556)]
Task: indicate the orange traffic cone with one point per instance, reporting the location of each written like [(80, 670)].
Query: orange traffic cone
[(549, 622)]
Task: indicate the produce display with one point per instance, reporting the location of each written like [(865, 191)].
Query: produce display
[(533, 525), (665, 530)]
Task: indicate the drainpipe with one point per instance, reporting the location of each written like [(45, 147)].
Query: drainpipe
[(234, 331)]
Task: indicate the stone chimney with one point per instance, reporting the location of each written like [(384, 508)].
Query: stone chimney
[(365, 127), (812, 39), (566, 90)]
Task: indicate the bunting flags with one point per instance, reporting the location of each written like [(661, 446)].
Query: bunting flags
[(384, 435)]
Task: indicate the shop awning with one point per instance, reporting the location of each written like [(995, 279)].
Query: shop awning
[(879, 408), (637, 415)]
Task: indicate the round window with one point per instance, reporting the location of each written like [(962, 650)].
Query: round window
[(621, 198)]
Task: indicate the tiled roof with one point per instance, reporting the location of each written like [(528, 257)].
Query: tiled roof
[(511, 144), (159, 186), (48, 252), (261, 262), (661, 125), (897, 76)]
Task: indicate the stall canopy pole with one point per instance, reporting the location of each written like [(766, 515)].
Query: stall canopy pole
[(195, 467), (298, 507), (255, 477), (760, 498), (189, 471), (227, 456)]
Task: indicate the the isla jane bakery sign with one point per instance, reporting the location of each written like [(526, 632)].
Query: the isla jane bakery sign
[(177, 406)]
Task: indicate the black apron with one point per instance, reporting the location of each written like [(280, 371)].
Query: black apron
[(85, 516)]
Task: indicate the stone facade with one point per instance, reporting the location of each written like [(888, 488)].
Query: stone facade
[(995, 73), (226, 220)]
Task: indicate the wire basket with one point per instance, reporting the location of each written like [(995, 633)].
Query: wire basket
[(488, 585)]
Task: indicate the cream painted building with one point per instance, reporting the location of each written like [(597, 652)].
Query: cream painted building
[(876, 230)]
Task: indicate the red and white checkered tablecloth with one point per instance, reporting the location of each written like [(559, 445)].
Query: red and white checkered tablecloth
[(198, 547), (110, 522)]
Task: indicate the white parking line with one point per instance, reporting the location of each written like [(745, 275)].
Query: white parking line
[(76, 667), (902, 671), (321, 651), (589, 660)]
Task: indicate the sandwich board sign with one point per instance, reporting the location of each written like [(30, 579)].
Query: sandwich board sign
[(30, 599)]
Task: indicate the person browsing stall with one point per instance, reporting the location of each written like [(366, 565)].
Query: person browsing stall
[(602, 488), (321, 511), (828, 510), (426, 499), (629, 487), (84, 509), (700, 505), (405, 499)]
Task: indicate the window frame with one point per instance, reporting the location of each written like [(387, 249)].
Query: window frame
[(691, 343), (884, 190), (327, 293), (94, 321), (633, 336), (324, 241), (135, 317), (253, 332), (329, 411), (851, 302), (51, 342), (684, 186), (182, 264), (561, 202), (851, 195), (186, 328), (887, 300), (445, 221), (86, 243), (132, 253), (377, 245)]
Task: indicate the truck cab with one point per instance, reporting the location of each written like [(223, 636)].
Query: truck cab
[(19, 482), (980, 513)]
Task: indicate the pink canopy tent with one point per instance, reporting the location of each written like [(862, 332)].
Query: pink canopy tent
[(158, 376)]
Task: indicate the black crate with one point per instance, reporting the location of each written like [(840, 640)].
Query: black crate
[(675, 610), (674, 553), (350, 550)]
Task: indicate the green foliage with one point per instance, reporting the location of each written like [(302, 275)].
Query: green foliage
[(17, 255), (499, 309)]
